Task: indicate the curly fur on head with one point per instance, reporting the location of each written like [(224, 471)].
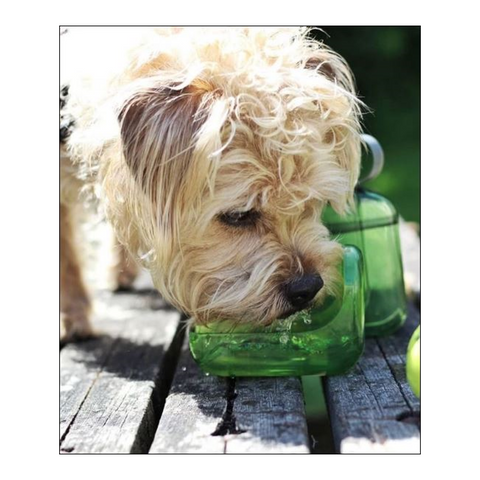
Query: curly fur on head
[(189, 130)]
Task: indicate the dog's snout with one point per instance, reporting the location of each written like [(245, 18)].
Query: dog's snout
[(303, 289)]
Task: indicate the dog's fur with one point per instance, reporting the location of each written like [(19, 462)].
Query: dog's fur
[(178, 131)]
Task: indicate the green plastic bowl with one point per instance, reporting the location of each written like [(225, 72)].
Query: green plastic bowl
[(324, 341)]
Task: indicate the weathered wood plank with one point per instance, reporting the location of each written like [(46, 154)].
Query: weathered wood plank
[(270, 433), (380, 436), (271, 414), (192, 412), (372, 408), (111, 386), (208, 414), (78, 374), (269, 395)]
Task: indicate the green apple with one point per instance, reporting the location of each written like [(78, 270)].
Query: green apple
[(413, 362)]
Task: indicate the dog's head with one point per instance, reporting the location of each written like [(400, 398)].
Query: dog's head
[(232, 143)]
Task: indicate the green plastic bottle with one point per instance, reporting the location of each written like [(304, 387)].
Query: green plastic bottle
[(373, 228), (326, 340)]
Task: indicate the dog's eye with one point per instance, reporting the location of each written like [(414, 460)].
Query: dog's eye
[(239, 219)]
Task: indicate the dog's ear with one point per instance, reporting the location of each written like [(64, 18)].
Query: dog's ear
[(158, 127), (162, 134)]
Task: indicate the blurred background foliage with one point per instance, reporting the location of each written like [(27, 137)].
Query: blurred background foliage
[(386, 65)]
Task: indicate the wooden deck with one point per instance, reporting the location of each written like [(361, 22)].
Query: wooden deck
[(136, 389)]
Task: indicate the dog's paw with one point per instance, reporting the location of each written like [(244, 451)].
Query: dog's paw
[(75, 327)]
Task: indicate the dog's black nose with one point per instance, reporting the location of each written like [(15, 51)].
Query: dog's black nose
[(303, 289)]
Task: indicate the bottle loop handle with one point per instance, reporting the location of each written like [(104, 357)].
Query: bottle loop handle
[(378, 157)]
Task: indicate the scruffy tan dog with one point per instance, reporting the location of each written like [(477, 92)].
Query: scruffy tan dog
[(213, 151)]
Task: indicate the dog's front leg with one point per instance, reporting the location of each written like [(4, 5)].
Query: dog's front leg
[(75, 305)]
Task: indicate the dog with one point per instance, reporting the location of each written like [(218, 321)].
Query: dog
[(212, 152)]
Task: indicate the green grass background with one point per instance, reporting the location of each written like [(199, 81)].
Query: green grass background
[(386, 65)]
